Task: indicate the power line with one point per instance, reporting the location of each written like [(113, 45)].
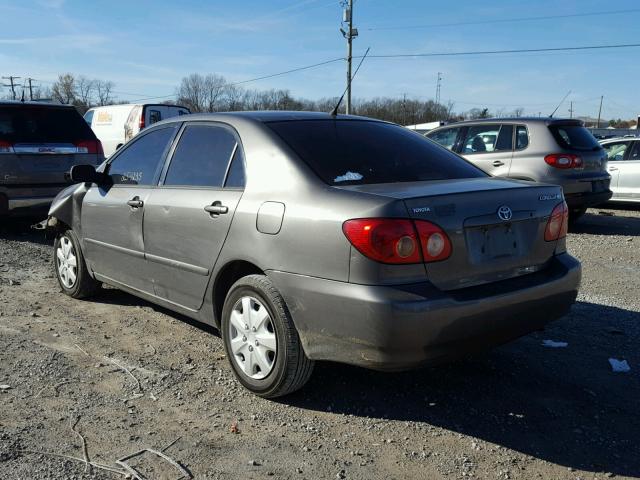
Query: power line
[(492, 52), (504, 20)]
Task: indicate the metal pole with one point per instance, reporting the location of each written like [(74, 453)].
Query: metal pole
[(571, 109), (30, 90), (349, 56), (599, 112), (12, 85)]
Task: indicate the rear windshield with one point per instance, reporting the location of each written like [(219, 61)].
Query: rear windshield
[(355, 152), (27, 124), (574, 137)]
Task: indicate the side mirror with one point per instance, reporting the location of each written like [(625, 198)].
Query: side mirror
[(87, 174)]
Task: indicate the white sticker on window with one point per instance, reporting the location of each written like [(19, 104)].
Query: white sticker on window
[(348, 177)]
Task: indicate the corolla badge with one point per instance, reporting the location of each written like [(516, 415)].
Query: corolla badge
[(504, 213)]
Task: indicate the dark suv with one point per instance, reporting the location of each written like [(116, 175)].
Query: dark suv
[(39, 143), (546, 150)]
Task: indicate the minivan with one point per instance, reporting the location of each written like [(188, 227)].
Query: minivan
[(115, 125)]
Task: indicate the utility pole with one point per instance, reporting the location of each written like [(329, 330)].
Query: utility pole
[(571, 109), (438, 88), (404, 109), (599, 112), (11, 85), (350, 34), (30, 88)]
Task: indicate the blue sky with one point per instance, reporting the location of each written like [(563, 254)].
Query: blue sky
[(146, 47)]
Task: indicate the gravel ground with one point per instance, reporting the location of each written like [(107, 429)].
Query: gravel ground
[(120, 375)]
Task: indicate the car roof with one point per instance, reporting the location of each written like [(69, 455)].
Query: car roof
[(544, 120), (619, 139), (266, 116), (16, 103)]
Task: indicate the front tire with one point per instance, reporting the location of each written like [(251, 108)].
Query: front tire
[(70, 268), (261, 341)]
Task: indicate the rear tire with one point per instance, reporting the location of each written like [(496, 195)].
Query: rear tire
[(261, 341), (70, 268)]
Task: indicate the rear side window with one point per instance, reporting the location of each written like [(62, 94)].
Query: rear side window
[(635, 152), (236, 177), (574, 137), (488, 138), (201, 157), (522, 137), (138, 163), (446, 137), (354, 152), (88, 117), (32, 124)]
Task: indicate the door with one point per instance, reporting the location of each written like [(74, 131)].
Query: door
[(489, 146), (188, 216), (616, 154), (112, 215), (629, 173)]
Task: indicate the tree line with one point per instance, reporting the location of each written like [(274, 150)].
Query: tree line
[(214, 93)]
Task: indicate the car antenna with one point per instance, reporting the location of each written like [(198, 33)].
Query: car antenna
[(561, 102), (334, 112)]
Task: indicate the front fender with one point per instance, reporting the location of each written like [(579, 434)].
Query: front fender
[(66, 208)]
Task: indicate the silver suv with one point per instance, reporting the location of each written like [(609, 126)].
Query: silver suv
[(39, 143), (547, 150)]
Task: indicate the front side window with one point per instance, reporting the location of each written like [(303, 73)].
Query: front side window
[(356, 152), (615, 151), (446, 137), (201, 157), (138, 163)]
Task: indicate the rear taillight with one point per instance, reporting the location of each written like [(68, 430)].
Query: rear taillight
[(141, 122), (563, 160), (6, 147), (89, 146), (558, 223), (397, 241)]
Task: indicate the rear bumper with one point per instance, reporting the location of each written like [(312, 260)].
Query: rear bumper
[(587, 199), (17, 200), (400, 327)]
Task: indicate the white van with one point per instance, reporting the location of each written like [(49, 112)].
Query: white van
[(115, 125)]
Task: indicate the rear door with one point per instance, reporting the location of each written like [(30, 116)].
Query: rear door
[(489, 146), (39, 144), (629, 173), (188, 216), (112, 216)]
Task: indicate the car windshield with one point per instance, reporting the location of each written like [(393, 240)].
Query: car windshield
[(355, 152), (574, 137), (33, 124)]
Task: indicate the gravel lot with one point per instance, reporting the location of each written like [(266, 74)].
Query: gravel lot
[(119, 375)]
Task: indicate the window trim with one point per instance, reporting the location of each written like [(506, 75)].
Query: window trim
[(169, 158), (173, 125)]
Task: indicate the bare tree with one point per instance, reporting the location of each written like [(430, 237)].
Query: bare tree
[(191, 92), (85, 89), (64, 89), (103, 92)]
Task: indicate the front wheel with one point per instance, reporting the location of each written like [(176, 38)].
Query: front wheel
[(261, 341), (70, 268)]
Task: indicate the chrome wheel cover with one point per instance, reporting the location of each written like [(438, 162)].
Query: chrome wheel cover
[(67, 262), (252, 338)]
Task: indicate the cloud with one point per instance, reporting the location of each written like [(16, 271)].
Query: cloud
[(54, 4)]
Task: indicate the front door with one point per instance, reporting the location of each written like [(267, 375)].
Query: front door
[(616, 152), (188, 216), (112, 216)]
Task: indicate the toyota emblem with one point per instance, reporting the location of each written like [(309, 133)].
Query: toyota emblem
[(504, 213)]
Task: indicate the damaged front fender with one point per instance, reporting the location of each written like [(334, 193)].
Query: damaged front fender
[(66, 208)]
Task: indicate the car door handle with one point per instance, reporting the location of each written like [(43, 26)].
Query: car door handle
[(613, 169), (498, 163), (216, 208), (135, 202)]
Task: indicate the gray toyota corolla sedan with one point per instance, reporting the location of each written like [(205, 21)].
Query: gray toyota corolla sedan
[(304, 237)]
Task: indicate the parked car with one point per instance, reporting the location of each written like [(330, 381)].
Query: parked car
[(623, 155), (304, 237), (39, 143), (115, 125), (547, 150)]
